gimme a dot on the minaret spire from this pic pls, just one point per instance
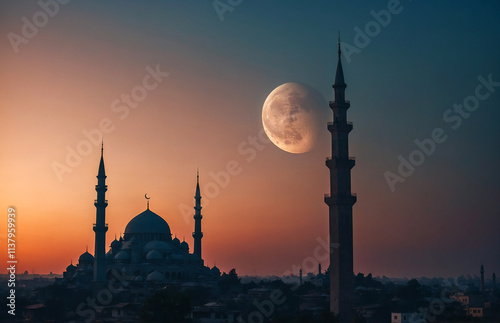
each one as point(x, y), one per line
point(339, 77)
point(339, 45)
point(340, 202)
point(102, 171)
point(100, 226)
point(198, 182)
point(197, 234)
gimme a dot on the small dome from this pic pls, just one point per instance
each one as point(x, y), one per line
point(122, 255)
point(153, 255)
point(184, 245)
point(133, 240)
point(161, 246)
point(115, 244)
point(215, 270)
point(86, 257)
point(155, 276)
point(176, 241)
point(138, 279)
point(70, 268)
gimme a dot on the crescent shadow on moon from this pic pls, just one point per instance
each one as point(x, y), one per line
point(290, 116)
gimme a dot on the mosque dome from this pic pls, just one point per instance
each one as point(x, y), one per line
point(153, 255)
point(122, 255)
point(155, 276)
point(176, 241)
point(184, 246)
point(70, 267)
point(161, 246)
point(86, 257)
point(148, 225)
point(115, 244)
point(177, 257)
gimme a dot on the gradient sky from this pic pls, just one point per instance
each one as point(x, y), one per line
point(443, 220)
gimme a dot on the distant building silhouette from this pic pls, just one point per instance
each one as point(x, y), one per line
point(406, 317)
point(340, 202)
point(494, 279)
point(482, 279)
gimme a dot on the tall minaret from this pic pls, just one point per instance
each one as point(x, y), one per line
point(340, 202)
point(197, 234)
point(100, 226)
point(482, 278)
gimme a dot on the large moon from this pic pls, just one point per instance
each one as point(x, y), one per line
point(290, 117)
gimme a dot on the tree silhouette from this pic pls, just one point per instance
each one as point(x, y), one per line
point(227, 281)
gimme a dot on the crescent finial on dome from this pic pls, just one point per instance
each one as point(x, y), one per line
point(147, 198)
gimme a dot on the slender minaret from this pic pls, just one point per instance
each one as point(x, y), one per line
point(482, 278)
point(197, 234)
point(340, 202)
point(100, 226)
